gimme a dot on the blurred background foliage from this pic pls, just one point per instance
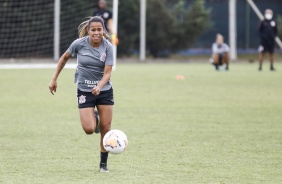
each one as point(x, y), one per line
point(173, 26)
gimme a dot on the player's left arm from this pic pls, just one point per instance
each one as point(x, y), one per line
point(106, 77)
point(275, 29)
point(214, 49)
point(110, 26)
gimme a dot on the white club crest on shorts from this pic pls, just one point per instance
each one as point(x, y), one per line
point(81, 99)
point(103, 57)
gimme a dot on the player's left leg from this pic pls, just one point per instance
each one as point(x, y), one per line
point(216, 61)
point(226, 60)
point(261, 57)
point(271, 59)
point(105, 114)
point(87, 119)
point(97, 129)
point(271, 55)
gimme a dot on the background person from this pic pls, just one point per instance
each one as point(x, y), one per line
point(267, 33)
point(107, 16)
point(220, 53)
point(94, 88)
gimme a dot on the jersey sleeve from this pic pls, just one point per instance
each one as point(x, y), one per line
point(110, 55)
point(73, 48)
point(226, 48)
point(214, 48)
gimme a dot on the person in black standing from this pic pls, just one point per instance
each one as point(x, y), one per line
point(107, 16)
point(267, 33)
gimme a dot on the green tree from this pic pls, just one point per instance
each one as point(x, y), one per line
point(72, 14)
point(279, 24)
point(128, 26)
point(160, 27)
point(175, 28)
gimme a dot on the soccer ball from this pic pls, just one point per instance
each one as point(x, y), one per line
point(115, 141)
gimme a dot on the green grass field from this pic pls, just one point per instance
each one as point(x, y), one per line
point(211, 127)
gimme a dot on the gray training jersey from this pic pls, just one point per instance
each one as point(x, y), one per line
point(91, 63)
point(220, 49)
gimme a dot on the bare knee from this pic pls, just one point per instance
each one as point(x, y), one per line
point(87, 120)
point(105, 128)
point(88, 131)
point(88, 127)
point(105, 113)
point(215, 58)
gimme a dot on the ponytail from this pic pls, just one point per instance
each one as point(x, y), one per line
point(83, 29)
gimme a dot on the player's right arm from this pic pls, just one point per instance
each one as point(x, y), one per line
point(214, 49)
point(260, 28)
point(61, 63)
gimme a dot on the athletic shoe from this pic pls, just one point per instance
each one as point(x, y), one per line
point(211, 60)
point(272, 69)
point(97, 129)
point(222, 67)
point(216, 66)
point(103, 168)
point(260, 69)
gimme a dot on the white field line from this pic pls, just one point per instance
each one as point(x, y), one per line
point(35, 66)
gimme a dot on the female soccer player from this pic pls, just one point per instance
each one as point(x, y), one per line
point(94, 88)
point(220, 53)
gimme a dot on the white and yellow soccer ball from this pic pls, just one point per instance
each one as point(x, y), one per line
point(115, 141)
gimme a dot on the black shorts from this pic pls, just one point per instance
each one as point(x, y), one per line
point(87, 99)
point(267, 47)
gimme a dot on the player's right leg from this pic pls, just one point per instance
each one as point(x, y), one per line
point(262, 49)
point(86, 105)
point(261, 57)
point(97, 129)
point(216, 61)
point(87, 119)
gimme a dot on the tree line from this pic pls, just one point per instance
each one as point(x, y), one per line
point(27, 26)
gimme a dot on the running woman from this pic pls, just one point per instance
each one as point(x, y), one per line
point(94, 88)
point(267, 33)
